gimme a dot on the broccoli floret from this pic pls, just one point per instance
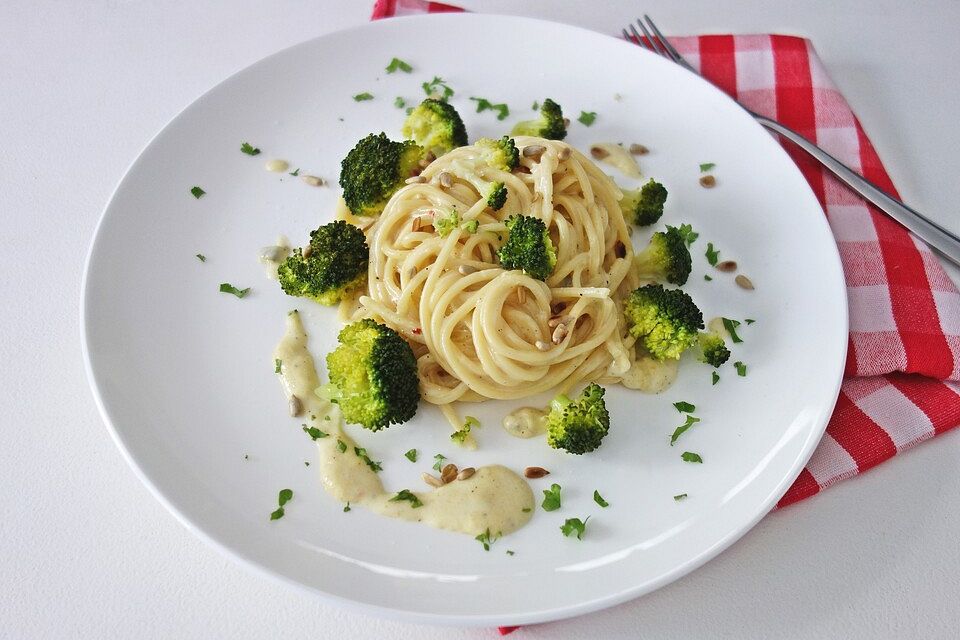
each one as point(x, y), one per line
point(373, 376)
point(549, 125)
point(644, 206)
point(447, 222)
point(335, 265)
point(436, 126)
point(665, 321)
point(374, 169)
point(500, 154)
point(528, 247)
point(713, 350)
point(665, 258)
point(578, 426)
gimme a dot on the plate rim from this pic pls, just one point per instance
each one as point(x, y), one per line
point(472, 620)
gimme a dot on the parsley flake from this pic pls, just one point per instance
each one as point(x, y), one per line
point(411, 455)
point(346, 508)
point(526, 509)
point(397, 63)
point(314, 433)
point(706, 166)
point(362, 97)
point(536, 105)
point(741, 368)
point(679, 431)
point(226, 287)
point(283, 498)
point(509, 552)
point(574, 526)
point(679, 497)
point(731, 327)
point(409, 496)
point(439, 86)
point(277, 364)
point(485, 105)
point(438, 464)
point(749, 320)
point(295, 172)
point(551, 498)
point(587, 117)
point(486, 539)
point(399, 102)
point(361, 453)
point(201, 257)
point(197, 192)
point(684, 407)
point(341, 446)
point(599, 499)
point(249, 149)
point(716, 377)
point(712, 255)
point(688, 234)
point(707, 278)
point(689, 456)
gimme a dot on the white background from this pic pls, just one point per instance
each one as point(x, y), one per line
point(86, 552)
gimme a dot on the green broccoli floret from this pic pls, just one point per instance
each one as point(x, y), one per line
point(446, 222)
point(374, 169)
point(500, 154)
point(713, 350)
point(549, 125)
point(528, 247)
point(335, 265)
point(436, 126)
point(578, 426)
point(665, 258)
point(665, 321)
point(373, 376)
point(644, 206)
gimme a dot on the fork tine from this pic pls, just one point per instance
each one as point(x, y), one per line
point(674, 54)
point(640, 40)
point(627, 36)
point(656, 47)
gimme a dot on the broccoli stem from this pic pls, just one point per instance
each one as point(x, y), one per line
point(559, 402)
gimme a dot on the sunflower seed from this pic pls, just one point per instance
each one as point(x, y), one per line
point(313, 181)
point(564, 153)
point(306, 251)
point(521, 295)
point(599, 153)
point(638, 149)
point(416, 224)
point(295, 406)
point(432, 480)
point(534, 151)
point(727, 266)
point(559, 333)
point(466, 269)
point(708, 182)
point(411, 273)
point(566, 123)
point(535, 472)
point(541, 345)
point(446, 180)
point(449, 473)
point(744, 282)
point(466, 473)
point(556, 320)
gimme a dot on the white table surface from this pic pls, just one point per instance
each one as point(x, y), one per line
point(86, 552)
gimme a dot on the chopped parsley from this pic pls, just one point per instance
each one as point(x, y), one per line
point(439, 86)
point(551, 498)
point(346, 508)
point(295, 172)
point(688, 234)
point(226, 287)
point(197, 192)
point(409, 496)
point(707, 278)
point(341, 446)
point(574, 526)
point(277, 364)
point(679, 431)
point(361, 453)
point(741, 368)
point(362, 97)
point(411, 455)
point(587, 117)
point(306, 464)
point(716, 377)
point(599, 499)
point(399, 103)
point(684, 407)
point(397, 63)
point(438, 461)
point(731, 327)
point(712, 254)
point(249, 149)
point(536, 105)
point(201, 257)
point(526, 509)
point(246, 456)
point(461, 436)
point(749, 320)
point(509, 552)
point(316, 434)
point(285, 496)
point(485, 105)
point(487, 539)
point(679, 497)
point(689, 456)
point(706, 166)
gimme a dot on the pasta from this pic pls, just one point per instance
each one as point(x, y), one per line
point(480, 332)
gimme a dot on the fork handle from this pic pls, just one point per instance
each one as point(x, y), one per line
point(930, 232)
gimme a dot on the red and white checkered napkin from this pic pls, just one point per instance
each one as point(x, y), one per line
point(903, 361)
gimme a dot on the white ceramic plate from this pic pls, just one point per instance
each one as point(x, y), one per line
point(184, 375)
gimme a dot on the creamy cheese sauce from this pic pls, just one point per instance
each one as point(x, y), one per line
point(651, 376)
point(272, 257)
point(525, 422)
point(494, 498)
point(716, 325)
point(618, 157)
point(276, 165)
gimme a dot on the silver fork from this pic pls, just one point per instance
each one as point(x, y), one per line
point(929, 231)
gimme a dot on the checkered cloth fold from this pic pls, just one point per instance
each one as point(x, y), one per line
point(903, 360)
